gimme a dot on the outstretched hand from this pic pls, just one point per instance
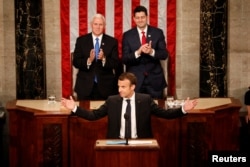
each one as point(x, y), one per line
point(68, 103)
point(189, 104)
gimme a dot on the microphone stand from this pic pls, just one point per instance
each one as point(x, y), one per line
point(126, 117)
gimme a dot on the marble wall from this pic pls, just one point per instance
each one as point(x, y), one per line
point(213, 48)
point(187, 57)
point(238, 48)
point(188, 48)
point(52, 37)
point(30, 55)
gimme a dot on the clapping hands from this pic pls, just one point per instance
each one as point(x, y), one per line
point(145, 48)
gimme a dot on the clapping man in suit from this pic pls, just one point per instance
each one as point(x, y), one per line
point(141, 108)
point(142, 49)
point(96, 58)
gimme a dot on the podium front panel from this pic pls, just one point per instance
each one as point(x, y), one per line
point(138, 153)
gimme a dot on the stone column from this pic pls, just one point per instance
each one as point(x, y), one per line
point(213, 48)
point(30, 56)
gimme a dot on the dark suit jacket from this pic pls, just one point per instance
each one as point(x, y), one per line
point(144, 107)
point(247, 98)
point(145, 64)
point(107, 79)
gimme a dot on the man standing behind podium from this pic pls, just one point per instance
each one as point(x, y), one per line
point(96, 58)
point(142, 106)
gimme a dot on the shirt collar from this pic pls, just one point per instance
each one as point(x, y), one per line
point(145, 30)
point(94, 37)
point(131, 98)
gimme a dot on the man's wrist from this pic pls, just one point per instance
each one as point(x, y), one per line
point(183, 111)
point(152, 53)
point(74, 109)
point(103, 59)
point(137, 53)
point(89, 62)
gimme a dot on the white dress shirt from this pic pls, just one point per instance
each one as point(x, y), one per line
point(133, 118)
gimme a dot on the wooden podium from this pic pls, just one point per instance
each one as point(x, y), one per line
point(114, 153)
point(38, 134)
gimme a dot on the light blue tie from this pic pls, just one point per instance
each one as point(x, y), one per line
point(97, 48)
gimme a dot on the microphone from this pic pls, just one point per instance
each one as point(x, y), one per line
point(126, 117)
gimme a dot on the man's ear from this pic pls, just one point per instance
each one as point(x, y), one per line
point(133, 86)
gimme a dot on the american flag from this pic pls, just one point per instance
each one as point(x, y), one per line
point(75, 21)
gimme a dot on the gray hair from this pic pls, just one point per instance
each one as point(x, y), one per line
point(98, 15)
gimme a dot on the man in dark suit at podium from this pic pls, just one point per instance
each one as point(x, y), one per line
point(142, 106)
point(96, 58)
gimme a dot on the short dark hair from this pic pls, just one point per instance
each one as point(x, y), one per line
point(128, 75)
point(140, 9)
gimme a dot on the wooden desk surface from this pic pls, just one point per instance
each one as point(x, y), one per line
point(42, 107)
point(39, 107)
point(134, 144)
point(212, 105)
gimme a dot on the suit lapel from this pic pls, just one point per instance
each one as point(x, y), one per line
point(137, 41)
point(102, 44)
point(90, 44)
point(119, 108)
point(149, 34)
point(137, 108)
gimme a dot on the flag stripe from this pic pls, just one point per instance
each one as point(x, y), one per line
point(118, 23)
point(110, 25)
point(134, 4)
point(66, 62)
point(171, 44)
point(83, 15)
point(153, 13)
point(127, 15)
point(75, 21)
point(101, 7)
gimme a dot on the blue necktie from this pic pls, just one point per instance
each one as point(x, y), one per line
point(97, 48)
